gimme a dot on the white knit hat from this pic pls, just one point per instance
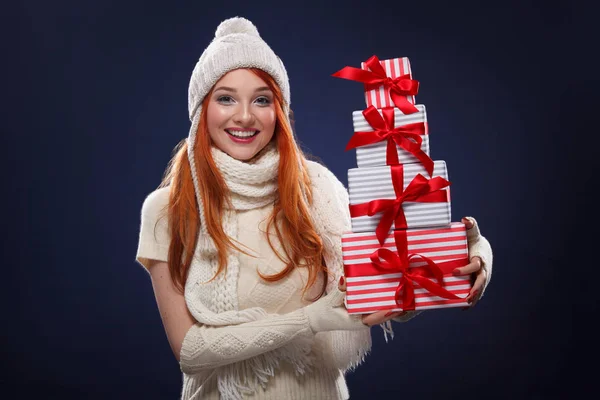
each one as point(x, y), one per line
point(237, 44)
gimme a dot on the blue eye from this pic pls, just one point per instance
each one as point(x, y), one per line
point(224, 99)
point(263, 101)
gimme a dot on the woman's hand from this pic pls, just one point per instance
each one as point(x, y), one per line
point(474, 268)
point(378, 317)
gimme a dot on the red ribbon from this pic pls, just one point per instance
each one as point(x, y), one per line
point(397, 88)
point(399, 262)
point(420, 189)
point(401, 136)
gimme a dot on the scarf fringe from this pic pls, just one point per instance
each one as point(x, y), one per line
point(387, 330)
point(358, 359)
point(341, 341)
point(245, 377)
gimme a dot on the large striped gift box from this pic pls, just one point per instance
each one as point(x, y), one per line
point(394, 68)
point(379, 183)
point(370, 288)
point(374, 154)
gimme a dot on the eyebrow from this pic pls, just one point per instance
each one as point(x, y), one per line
point(229, 89)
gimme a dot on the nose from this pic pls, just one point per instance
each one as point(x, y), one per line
point(244, 115)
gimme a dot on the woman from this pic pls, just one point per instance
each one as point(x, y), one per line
point(242, 241)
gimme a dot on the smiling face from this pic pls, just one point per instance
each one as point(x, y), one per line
point(241, 114)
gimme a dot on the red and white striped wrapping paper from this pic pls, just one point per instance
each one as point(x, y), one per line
point(367, 184)
point(373, 155)
point(372, 291)
point(394, 68)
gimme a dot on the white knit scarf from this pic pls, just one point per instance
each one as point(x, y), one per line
point(252, 184)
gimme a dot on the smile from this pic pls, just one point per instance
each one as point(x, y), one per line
point(242, 134)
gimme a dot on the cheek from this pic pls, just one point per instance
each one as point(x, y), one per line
point(216, 115)
point(269, 118)
point(216, 118)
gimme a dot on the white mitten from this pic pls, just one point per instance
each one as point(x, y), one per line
point(329, 314)
point(480, 247)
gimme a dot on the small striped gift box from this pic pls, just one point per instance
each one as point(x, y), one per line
point(394, 68)
point(370, 288)
point(368, 184)
point(373, 155)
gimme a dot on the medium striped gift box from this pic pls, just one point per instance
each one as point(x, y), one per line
point(368, 184)
point(395, 67)
point(370, 289)
point(373, 155)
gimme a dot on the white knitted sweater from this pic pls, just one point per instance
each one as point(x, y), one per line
point(324, 381)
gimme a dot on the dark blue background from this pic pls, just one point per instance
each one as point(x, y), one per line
point(95, 99)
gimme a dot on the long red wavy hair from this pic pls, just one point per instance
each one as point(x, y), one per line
point(290, 218)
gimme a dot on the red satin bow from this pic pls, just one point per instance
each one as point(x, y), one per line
point(420, 189)
point(398, 88)
point(401, 136)
point(399, 262)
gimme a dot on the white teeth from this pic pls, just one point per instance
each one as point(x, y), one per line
point(242, 134)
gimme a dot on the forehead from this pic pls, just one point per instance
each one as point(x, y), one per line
point(241, 79)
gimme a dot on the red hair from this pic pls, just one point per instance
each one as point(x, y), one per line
point(300, 242)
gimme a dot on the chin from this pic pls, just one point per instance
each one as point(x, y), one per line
point(242, 155)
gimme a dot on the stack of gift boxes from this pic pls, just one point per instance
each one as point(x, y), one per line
point(403, 246)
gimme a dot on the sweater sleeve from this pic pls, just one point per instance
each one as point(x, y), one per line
point(208, 347)
point(347, 349)
point(154, 235)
